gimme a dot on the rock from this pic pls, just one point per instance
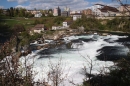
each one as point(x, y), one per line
point(39, 47)
point(104, 34)
point(55, 37)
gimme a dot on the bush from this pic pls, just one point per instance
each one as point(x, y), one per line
point(120, 74)
point(88, 23)
point(119, 24)
point(18, 28)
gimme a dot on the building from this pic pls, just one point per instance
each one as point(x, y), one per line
point(123, 9)
point(65, 24)
point(64, 13)
point(95, 9)
point(57, 28)
point(107, 11)
point(67, 10)
point(87, 12)
point(38, 15)
point(100, 10)
point(57, 12)
point(54, 27)
point(73, 12)
point(76, 16)
point(37, 29)
point(33, 11)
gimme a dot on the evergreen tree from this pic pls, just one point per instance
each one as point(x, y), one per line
point(11, 11)
point(1, 11)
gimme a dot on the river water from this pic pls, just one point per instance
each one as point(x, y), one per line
point(75, 54)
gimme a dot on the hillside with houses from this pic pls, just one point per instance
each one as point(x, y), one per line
point(97, 10)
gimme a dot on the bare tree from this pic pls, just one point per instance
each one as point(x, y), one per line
point(90, 64)
point(11, 75)
point(124, 4)
point(56, 73)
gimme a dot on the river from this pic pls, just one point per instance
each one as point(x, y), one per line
point(75, 54)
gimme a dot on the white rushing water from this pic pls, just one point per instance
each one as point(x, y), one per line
point(73, 61)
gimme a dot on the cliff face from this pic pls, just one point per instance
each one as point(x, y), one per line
point(55, 36)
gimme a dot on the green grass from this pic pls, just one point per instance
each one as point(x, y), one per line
point(30, 22)
point(14, 21)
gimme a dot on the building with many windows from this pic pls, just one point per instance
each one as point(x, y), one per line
point(87, 12)
point(95, 9)
point(76, 16)
point(107, 11)
point(124, 9)
point(57, 11)
point(66, 12)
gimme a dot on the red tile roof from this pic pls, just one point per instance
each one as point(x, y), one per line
point(38, 27)
point(108, 8)
point(77, 14)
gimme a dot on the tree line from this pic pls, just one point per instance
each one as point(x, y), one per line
point(16, 12)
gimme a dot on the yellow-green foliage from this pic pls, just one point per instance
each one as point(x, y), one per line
point(88, 23)
point(119, 24)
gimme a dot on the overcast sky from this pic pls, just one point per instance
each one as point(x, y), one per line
point(46, 4)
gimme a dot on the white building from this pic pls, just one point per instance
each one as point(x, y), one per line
point(73, 12)
point(38, 15)
point(95, 9)
point(58, 27)
point(107, 11)
point(54, 27)
point(65, 24)
point(37, 29)
point(33, 11)
point(76, 16)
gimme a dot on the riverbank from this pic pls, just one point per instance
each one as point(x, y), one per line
point(57, 36)
point(112, 32)
point(52, 36)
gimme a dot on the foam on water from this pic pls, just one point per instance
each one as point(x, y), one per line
point(73, 61)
